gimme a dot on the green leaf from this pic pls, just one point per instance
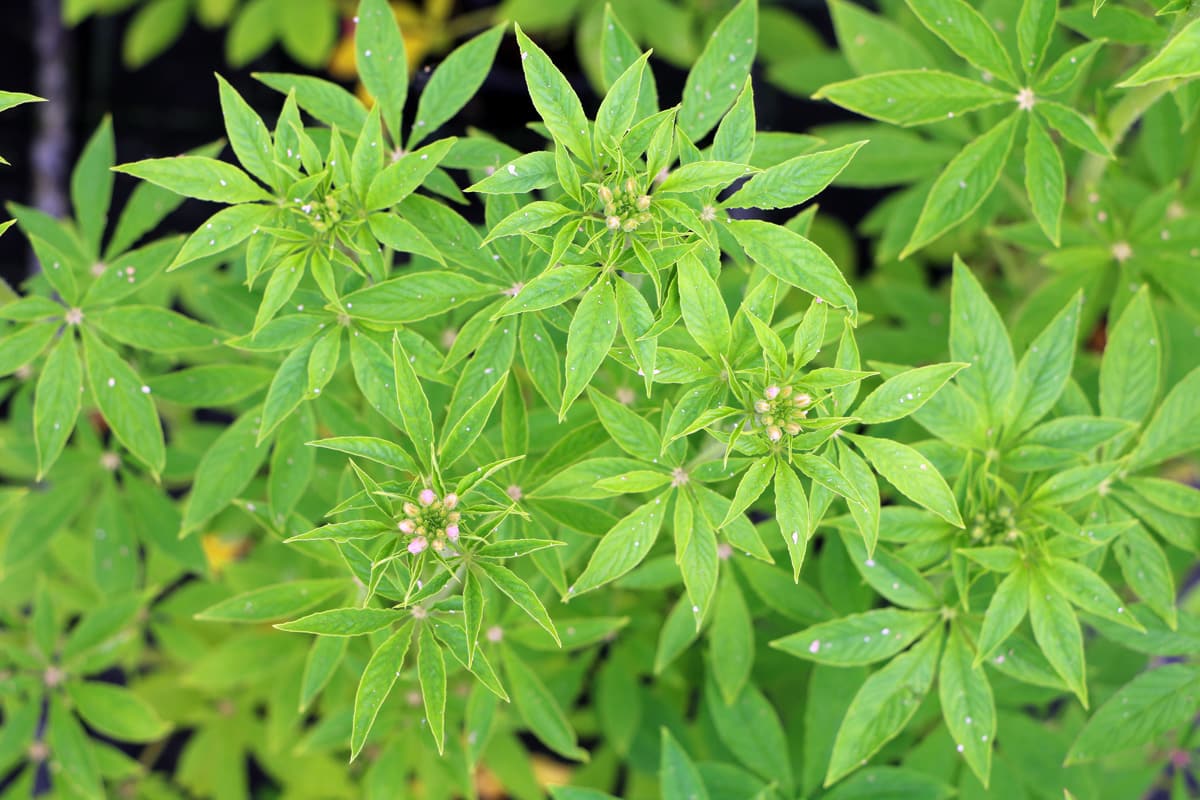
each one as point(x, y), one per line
point(1074, 127)
point(717, 76)
point(962, 187)
point(1129, 371)
point(528, 219)
point(754, 482)
point(1035, 26)
point(1152, 704)
point(554, 99)
point(152, 30)
point(1179, 58)
point(1169, 495)
point(117, 712)
point(522, 174)
point(912, 97)
point(403, 176)
point(883, 706)
point(912, 474)
point(225, 469)
point(454, 82)
point(91, 185)
point(794, 260)
point(750, 729)
point(518, 592)
point(377, 681)
point(620, 104)
point(72, 752)
point(1073, 484)
point(381, 60)
point(700, 175)
point(624, 547)
point(431, 670)
point(1004, 613)
point(703, 308)
point(280, 600)
point(967, 33)
point(23, 346)
point(699, 562)
point(1044, 369)
point(1088, 591)
point(125, 403)
point(1045, 180)
point(978, 337)
point(287, 390)
point(591, 334)
point(731, 639)
point(794, 181)
point(903, 394)
point(1175, 427)
point(371, 448)
point(678, 776)
point(199, 177)
point(1058, 634)
point(57, 267)
point(414, 296)
point(967, 704)
point(324, 99)
point(630, 432)
point(345, 621)
point(248, 135)
point(153, 328)
point(873, 43)
point(1147, 572)
point(734, 139)
point(538, 708)
point(792, 511)
point(413, 404)
point(56, 402)
point(858, 639)
point(461, 432)
point(227, 228)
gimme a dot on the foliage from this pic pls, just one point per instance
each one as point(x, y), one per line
point(423, 452)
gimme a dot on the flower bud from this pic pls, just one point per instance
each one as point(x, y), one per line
point(772, 392)
point(630, 225)
point(439, 545)
point(801, 400)
point(606, 195)
point(452, 532)
point(411, 510)
point(643, 202)
point(774, 433)
point(785, 392)
point(762, 406)
point(453, 516)
point(613, 222)
point(417, 545)
point(450, 501)
point(406, 526)
point(630, 185)
point(427, 497)
point(792, 428)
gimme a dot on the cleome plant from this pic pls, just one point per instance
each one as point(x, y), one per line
point(431, 467)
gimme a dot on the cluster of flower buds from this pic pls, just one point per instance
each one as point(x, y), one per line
point(625, 208)
point(995, 527)
point(323, 214)
point(431, 522)
point(781, 409)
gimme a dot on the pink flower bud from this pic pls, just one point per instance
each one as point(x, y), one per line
point(785, 392)
point(426, 497)
point(772, 392)
point(801, 400)
point(450, 501)
point(411, 510)
point(452, 532)
point(439, 545)
point(406, 526)
point(774, 433)
point(613, 223)
point(792, 428)
point(762, 406)
point(417, 545)
point(606, 194)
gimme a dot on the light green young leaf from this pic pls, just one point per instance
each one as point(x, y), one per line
point(24, 345)
point(754, 482)
point(403, 176)
point(125, 402)
point(228, 227)
point(962, 187)
point(1044, 369)
point(623, 547)
point(717, 76)
point(1152, 704)
point(199, 177)
point(912, 474)
point(461, 432)
point(628, 430)
point(154, 328)
point(523, 174)
point(591, 334)
point(554, 99)
point(325, 100)
point(1074, 127)
point(703, 308)
point(700, 175)
point(617, 111)
point(795, 260)
point(411, 399)
point(795, 181)
point(276, 601)
point(1179, 58)
point(1058, 634)
point(518, 592)
point(967, 704)
point(56, 402)
point(381, 60)
point(248, 135)
point(414, 296)
point(858, 639)
point(1035, 26)
point(965, 30)
point(792, 511)
point(734, 139)
point(376, 683)
point(903, 394)
point(1088, 591)
point(91, 185)
point(913, 96)
point(1073, 484)
point(431, 671)
point(529, 219)
point(873, 43)
point(699, 562)
point(1045, 180)
point(1175, 427)
point(1170, 495)
point(345, 621)
point(978, 337)
point(1004, 613)
point(883, 706)
point(454, 82)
